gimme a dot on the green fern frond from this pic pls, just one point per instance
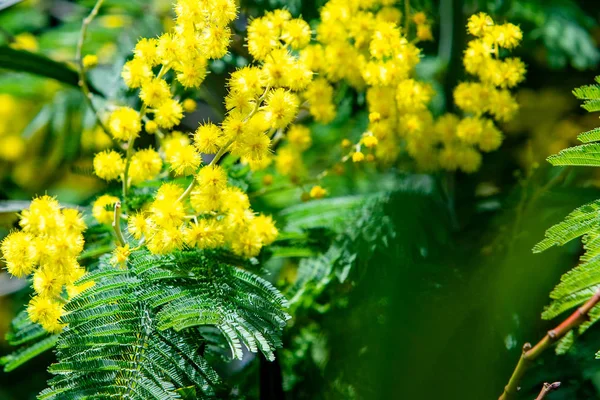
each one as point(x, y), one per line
point(591, 96)
point(582, 221)
point(589, 136)
point(565, 344)
point(329, 213)
point(568, 302)
point(22, 330)
point(31, 338)
point(119, 340)
point(26, 353)
point(587, 155)
point(581, 283)
point(365, 228)
point(587, 92)
point(591, 105)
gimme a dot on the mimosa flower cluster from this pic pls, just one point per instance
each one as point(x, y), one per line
point(379, 59)
point(383, 63)
point(482, 101)
point(47, 247)
point(262, 102)
point(201, 32)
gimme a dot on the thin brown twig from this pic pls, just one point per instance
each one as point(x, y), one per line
point(548, 387)
point(530, 353)
point(81, 68)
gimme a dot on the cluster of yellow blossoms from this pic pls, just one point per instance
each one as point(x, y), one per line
point(381, 60)
point(48, 245)
point(261, 103)
point(201, 32)
point(462, 138)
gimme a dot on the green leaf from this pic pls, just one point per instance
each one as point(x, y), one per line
point(584, 155)
point(579, 222)
point(590, 136)
point(565, 344)
point(588, 92)
point(140, 331)
point(318, 213)
point(24, 61)
point(21, 356)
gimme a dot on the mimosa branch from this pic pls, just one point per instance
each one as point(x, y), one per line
point(81, 68)
point(532, 353)
point(548, 387)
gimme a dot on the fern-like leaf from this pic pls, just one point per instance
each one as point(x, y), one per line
point(139, 332)
point(31, 339)
point(582, 221)
point(587, 92)
point(589, 136)
point(591, 96)
point(581, 283)
point(587, 155)
point(365, 223)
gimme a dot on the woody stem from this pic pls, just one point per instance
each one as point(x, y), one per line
point(532, 353)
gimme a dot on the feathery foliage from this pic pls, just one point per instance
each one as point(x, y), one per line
point(365, 225)
point(582, 282)
point(135, 334)
point(31, 338)
point(357, 226)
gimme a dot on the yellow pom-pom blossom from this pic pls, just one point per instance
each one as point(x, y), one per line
point(19, 253)
point(288, 162)
point(47, 247)
point(173, 143)
point(151, 127)
point(208, 138)
point(317, 192)
point(212, 179)
point(280, 108)
point(155, 92)
point(136, 72)
point(168, 114)
point(206, 234)
point(120, 255)
point(46, 312)
point(125, 123)
point(25, 41)
point(12, 148)
point(90, 61)
point(486, 97)
point(369, 141)
point(189, 105)
point(299, 137)
point(108, 165)
point(145, 165)
point(479, 24)
point(185, 161)
point(138, 225)
point(357, 157)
